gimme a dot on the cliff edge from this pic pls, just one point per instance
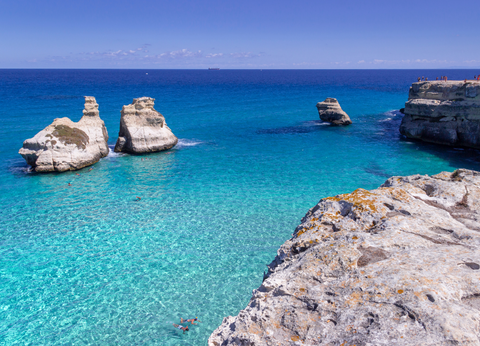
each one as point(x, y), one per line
point(443, 112)
point(398, 265)
point(65, 145)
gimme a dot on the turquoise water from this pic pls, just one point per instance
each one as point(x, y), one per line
point(87, 265)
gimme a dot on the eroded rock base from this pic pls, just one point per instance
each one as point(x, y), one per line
point(445, 113)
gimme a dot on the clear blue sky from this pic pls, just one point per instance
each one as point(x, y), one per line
point(239, 34)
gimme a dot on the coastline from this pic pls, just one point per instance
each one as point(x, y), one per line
point(253, 158)
point(396, 265)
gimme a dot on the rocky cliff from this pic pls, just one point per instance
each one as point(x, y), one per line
point(398, 265)
point(65, 145)
point(330, 111)
point(444, 113)
point(143, 129)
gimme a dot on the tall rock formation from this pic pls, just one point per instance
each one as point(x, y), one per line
point(399, 265)
point(330, 111)
point(143, 129)
point(444, 113)
point(67, 146)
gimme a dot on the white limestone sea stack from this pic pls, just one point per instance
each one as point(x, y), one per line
point(443, 112)
point(143, 129)
point(330, 111)
point(67, 146)
point(398, 265)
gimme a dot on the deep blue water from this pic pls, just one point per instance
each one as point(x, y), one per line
point(87, 265)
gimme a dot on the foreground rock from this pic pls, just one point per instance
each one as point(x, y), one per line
point(67, 146)
point(143, 129)
point(398, 265)
point(330, 111)
point(444, 113)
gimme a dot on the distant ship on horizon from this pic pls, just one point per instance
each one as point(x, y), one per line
point(214, 68)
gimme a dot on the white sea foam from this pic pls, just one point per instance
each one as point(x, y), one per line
point(390, 115)
point(24, 170)
point(112, 154)
point(314, 123)
point(183, 142)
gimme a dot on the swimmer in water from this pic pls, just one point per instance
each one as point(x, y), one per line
point(185, 329)
point(69, 184)
point(191, 320)
point(77, 174)
point(138, 199)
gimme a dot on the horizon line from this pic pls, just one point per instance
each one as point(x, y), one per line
point(236, 69)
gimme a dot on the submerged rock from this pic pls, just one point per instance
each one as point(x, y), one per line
point(399, 265)
point(65, 145)
point(330, 111)
point(443, 112)
point(143, 129)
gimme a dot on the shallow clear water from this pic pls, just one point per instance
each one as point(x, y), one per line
point(87, 265)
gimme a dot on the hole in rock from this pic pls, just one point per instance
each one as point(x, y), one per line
point(472, 265)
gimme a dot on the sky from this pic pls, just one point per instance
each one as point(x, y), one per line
point(240, 34)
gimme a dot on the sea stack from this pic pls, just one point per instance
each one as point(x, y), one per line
point(67, 146)
point(399, 265)
point(330, 111)
point(143, 129)
point(443, 112)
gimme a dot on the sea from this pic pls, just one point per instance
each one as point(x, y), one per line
point(87, 264)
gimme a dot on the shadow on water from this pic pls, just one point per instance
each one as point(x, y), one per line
point(304, 127)
point(457, 157)
point(375, 169)
point(57, 97)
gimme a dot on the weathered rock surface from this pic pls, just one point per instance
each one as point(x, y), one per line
point(330, 111)
point(65, 145)
point(398, 265)
point(143, 129)
point(444, 113)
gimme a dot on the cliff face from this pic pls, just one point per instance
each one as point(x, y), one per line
point(398, 265)
point(143, 129)
point(65, 145)
point(444, 113)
